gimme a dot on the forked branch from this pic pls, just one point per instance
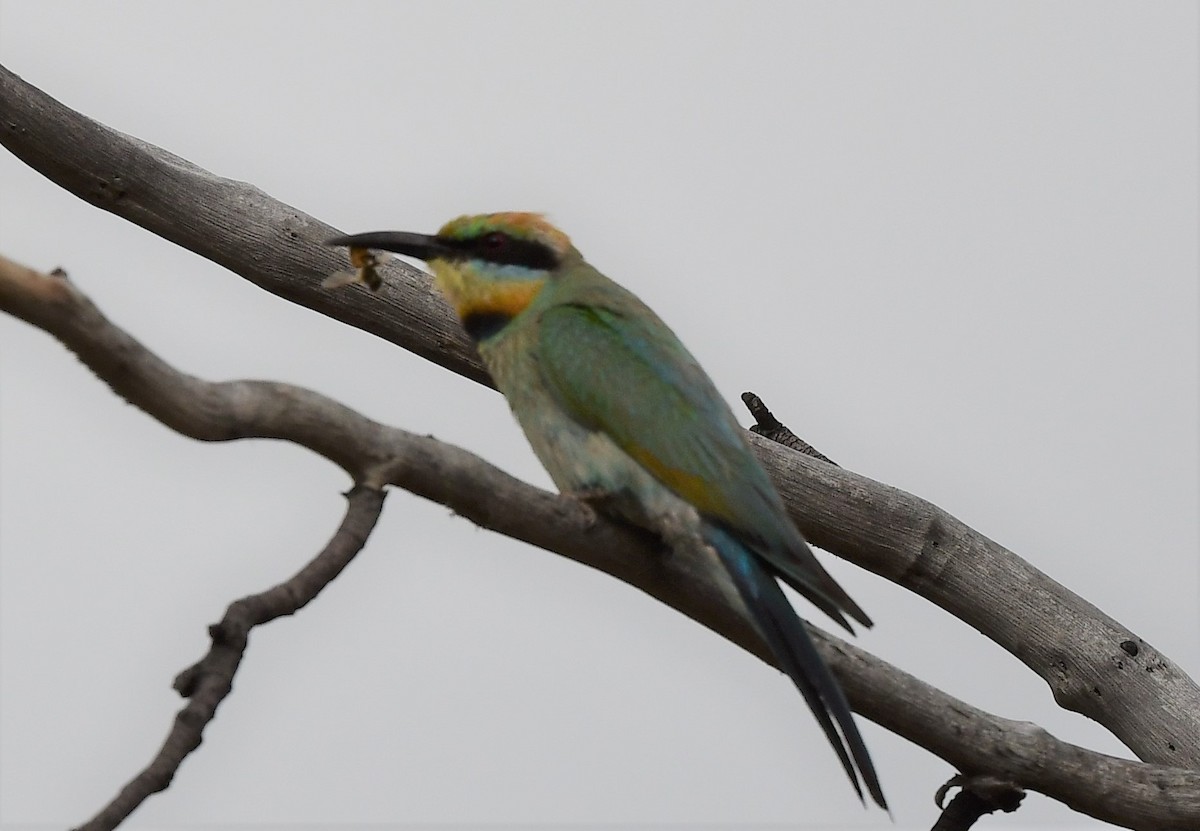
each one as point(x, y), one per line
point(1093, 664)
point(207, 682)
point(1132, 794)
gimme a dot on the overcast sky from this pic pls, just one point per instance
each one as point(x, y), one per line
point(952, 245)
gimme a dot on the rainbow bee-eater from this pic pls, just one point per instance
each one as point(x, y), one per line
point(620, 414)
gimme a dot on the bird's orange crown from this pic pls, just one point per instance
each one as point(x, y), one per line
point(532, 227)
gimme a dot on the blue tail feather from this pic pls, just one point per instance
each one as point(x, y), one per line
point(785, 634)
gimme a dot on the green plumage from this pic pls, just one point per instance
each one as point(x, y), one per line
point(614, 406)
point(615, 368)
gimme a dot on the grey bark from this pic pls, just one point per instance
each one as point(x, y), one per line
point(1093, 664)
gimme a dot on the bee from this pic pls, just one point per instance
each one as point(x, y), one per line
point(366, 262)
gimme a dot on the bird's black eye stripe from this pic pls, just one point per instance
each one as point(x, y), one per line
point(502, 249)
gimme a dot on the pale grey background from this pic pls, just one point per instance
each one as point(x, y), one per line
point(952, 245)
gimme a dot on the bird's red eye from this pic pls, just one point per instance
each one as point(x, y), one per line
point(495, 242)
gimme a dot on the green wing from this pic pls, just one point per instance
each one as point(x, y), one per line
point(629, 377)
point(617, 369)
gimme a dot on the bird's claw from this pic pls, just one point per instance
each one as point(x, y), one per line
point(594, 499)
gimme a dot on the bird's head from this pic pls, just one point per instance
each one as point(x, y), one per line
point(489, 266)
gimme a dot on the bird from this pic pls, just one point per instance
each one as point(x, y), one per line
point(622, 416)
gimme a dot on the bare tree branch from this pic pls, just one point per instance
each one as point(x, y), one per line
point(1126, 793)
point(1093, 664)
point(207, 682)
point(234, 224)
point(1136, 692)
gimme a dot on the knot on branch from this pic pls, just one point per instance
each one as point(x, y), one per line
point(228, 645)
point(771, 428)
point(979, 795)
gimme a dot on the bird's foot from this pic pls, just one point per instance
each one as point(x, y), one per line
point(595, 499)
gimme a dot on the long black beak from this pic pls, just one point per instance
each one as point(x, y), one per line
point(421, 246)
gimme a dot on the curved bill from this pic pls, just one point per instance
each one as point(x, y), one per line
point(421, 246)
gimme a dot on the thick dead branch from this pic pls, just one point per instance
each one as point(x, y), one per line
point(1140, 695)
point(1093, 665)
point(207, 682)
point(1131, 794)
point(234, 224)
